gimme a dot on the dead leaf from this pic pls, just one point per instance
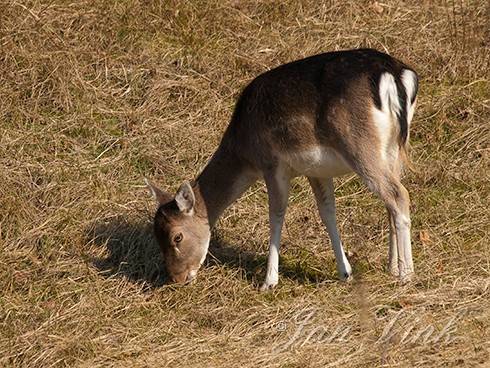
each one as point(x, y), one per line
point(424, 237)
point(377, 7)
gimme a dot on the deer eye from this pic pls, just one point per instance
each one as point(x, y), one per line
point(178, 238)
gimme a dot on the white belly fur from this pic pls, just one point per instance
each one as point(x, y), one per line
point(318, 162)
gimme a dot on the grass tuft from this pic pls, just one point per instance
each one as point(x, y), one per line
point(96, 95)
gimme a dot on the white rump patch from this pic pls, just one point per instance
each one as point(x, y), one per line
point(388, 94)
point(386, 119)
point(409, 81)
point(383, 122)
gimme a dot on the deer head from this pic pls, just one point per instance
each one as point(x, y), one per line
point(182, 231)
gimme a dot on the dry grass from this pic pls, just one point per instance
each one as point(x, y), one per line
point(94, 95)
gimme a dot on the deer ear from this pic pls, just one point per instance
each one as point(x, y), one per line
point(185, 198)
point(160, 196)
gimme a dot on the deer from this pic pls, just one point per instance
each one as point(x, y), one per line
point(321, 117)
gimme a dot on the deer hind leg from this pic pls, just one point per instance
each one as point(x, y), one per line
point(395, 167)
point(400, 212)
point(393, 247)
point(397, 201)
point(277, 183)
point(325, 199)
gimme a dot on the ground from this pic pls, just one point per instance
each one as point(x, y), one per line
point(97, 95)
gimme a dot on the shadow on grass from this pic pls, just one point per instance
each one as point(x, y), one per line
point(133, 253)
point(254, 265)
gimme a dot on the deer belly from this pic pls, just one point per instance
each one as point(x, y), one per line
point(317, 162)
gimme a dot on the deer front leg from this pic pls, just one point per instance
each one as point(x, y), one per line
point(325, 199)
point(278, 190)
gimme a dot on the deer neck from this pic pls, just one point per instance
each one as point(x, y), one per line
point(223, 180)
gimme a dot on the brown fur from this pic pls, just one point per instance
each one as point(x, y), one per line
point(323, 101)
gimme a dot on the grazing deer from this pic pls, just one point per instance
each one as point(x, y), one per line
point(321, 117)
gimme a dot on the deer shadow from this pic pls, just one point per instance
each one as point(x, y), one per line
point(132, 253)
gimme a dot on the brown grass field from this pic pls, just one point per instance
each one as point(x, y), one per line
point(97, 95)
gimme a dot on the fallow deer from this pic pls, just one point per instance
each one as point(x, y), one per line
point(321, 117)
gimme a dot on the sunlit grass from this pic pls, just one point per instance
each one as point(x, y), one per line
point(94, 96)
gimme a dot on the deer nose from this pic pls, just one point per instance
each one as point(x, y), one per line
point(179, 278)
point(184, 277)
